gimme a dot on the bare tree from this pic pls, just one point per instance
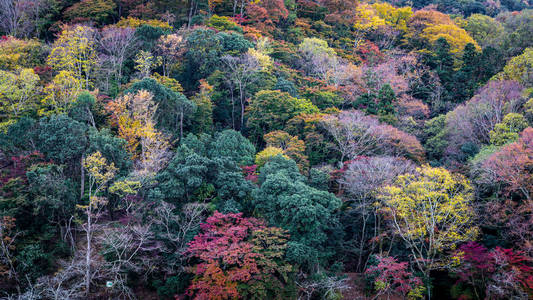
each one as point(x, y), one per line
point(8, 236)
point(362, 179)
point(354, 132)
point(327, 286)
point(240, 73)
point(187, 221)
point(116, 45)
point(18, 17)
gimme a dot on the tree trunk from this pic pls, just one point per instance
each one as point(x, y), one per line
point(181, 126)
point(243, 102)
point(88, 254)
point(82, 184)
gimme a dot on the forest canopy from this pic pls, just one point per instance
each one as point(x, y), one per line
point(225, 149)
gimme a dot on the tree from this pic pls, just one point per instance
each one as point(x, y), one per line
point(270, 110)
point(8, 237)
point(511, 166)
point(425, 27)
point(507, 131)
point(362, 179)
point(203, 116)
point(241, 72)
point(99, 173)
point(266, 15)
point(357, 134)
point(471, 122)
point(263, 156)
point(172, 107)
point(354, 133)
point(17, 92)
point(292, 147)
point(230, 144)
point(484, 29)
point(116, 45)
point(170, 48)
point(75, 51)
point(16, 54)
point(60, 94)
point(19, 17)
point(366, 20)
point(205, 168)
point(392, 277)
point(99, 11)
point(61, 139)
point(498, 273)
point(308, 214)
point(239, 257)
point(432, 212)
point(134, 114)
point(519, 69)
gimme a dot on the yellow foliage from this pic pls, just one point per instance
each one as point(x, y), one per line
point(98, 168)
point(125, 187)
point(457, 37)
point(292, 147)
point(367, 18)
point(519, 68)
point(170, 83)
point(134, 23)
point(392, 16)
point(16, 53)
point(264, 156)
point(430, 25)
point(431, 210)
point(75, 51)
point(264, 60)
point(17, 90)
point(60, 93)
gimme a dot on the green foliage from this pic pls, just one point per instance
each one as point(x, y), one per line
point(436, 143)
point(99, 11)
point(507, 131)
point(231, 145)
point(223, 23)
point(270, 110)
point(20, 136)
point(201, 161)
point(61, 138)
point(519, 68)
point(309, 215)
point(205, 48)
point(53, 194)
point(111, 147)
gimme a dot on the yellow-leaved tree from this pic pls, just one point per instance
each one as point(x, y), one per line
point(75, 51)
point(100, 172)
point(17, 92)
point(134, 115)
point(431, 211)
point(60, 93)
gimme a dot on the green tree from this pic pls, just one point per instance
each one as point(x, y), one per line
point(99, 11)
point(286, 201)
point(270, 110)
point(62, 139)
point(230, 144)
point(507, 131)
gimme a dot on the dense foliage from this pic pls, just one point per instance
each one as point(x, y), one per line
point(224, 149)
